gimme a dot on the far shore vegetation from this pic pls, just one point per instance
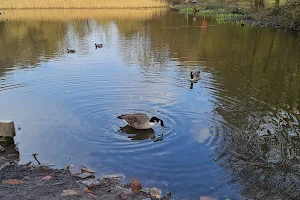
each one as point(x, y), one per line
point(266, 13)
point(72, 4)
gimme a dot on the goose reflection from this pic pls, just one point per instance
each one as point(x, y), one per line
point(140, 134)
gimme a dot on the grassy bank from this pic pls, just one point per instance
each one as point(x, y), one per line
point(66, 4)
point(285, 15)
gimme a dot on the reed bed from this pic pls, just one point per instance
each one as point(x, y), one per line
point(80, 14)
point(67, 4)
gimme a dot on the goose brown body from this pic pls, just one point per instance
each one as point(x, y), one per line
point(140, 120)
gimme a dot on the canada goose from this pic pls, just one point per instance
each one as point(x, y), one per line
point(140, 120)
point(195, 76)
point(98, 45)
point(70, 51)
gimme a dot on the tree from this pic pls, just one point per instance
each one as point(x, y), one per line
point(277, 3)
point(259, 4)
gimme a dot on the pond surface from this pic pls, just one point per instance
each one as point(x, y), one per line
point(234, 134)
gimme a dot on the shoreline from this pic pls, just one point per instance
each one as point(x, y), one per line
point(38, 181)
point(268, 17)
point(74, 182)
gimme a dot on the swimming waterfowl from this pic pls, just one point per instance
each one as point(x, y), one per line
point(140, 120)
point(98, 45)
point(195, 76)
point(70, 51)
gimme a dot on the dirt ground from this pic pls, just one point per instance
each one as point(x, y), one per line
point(20, 182)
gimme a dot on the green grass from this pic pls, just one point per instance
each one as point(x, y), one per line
point(207, 12)
point(186, 10)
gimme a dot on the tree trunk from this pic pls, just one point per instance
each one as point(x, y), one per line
point(237, 5)
point(277, 3)
point(259, 4)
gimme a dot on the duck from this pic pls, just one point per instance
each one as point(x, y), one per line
point(98, 45)
point(70, 51)
point(195, 76)
point(141, 120)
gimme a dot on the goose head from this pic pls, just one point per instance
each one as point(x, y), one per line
point(192, 77)
point(159, 121)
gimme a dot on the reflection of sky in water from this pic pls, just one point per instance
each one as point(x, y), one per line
point(67, 104)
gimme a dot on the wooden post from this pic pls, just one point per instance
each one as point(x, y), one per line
point(7, 128)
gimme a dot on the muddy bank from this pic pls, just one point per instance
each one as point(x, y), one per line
point(41, 182)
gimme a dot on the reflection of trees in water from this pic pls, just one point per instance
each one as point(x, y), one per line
point(261, 149)
point(261, 145)
point(27, 43)
point(40, 35)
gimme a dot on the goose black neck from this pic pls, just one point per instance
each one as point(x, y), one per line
point(154, 119)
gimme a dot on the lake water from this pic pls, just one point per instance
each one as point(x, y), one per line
point(233, 134)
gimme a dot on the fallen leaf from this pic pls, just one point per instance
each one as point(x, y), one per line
point(87, 170)
point(14, 182)
point(87, 190)
point(46, 178)
point(136, 186)
point(92, 195)
point(68, 193)
point(85, 175)
point(207, 198)
point(123, 196)
point(155, 193)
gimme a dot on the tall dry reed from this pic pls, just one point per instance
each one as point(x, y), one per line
point(66, 4)
point(80, 14)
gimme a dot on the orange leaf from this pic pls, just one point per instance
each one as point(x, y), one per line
point(136, 186)
point(87, 190)
point(14, 182)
